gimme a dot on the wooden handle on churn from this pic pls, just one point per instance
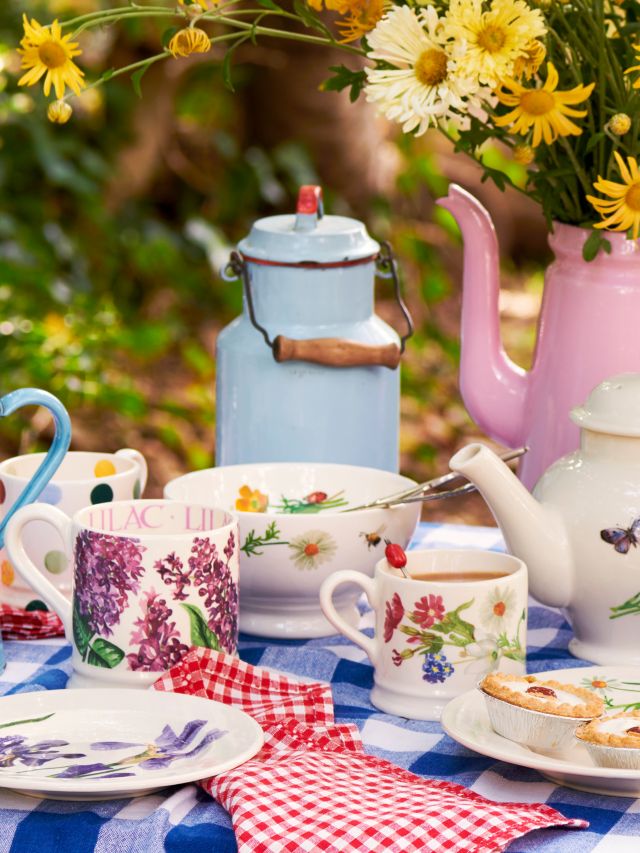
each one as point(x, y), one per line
point(335, 352)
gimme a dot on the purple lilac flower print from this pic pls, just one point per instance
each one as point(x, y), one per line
point(215, 584)
point(230, 546)
point(212, 576)
point(109, 568)
point(15, 748)
point(171, 570)
point(157, 637)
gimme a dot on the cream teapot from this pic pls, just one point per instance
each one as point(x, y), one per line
point(579, 532)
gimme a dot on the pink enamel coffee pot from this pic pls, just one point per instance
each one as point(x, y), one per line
point(587, 331)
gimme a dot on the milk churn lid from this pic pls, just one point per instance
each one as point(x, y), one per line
point(613, 406)
point(308, 237)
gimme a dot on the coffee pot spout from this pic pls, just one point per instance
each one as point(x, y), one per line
point(532, 531)
point(493, 387)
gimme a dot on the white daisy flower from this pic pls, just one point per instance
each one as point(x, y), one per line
point(498, 608)
point(312, 548)
point(424, 86)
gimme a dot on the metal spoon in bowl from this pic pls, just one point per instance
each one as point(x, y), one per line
point(428, 491)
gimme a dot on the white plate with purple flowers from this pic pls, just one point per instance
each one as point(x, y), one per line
point(107, 744)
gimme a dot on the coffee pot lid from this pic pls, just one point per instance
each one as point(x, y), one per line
point(308, 236)
point(613, 406)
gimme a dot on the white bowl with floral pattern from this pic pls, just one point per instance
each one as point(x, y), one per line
point(294, 533)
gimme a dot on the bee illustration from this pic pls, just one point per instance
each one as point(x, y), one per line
point(622, 538)
point(375, 538)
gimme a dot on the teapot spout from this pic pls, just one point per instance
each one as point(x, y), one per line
point(493, 387)
point(532, 531)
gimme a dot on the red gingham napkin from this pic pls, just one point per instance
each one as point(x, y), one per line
point(17, 624)
point(312, 787)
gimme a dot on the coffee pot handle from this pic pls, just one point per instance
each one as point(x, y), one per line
point(27, 569)
point(328, 608)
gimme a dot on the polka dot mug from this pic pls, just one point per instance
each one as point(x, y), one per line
point(83, 479)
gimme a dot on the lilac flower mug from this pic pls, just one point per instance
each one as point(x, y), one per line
point(151, 578)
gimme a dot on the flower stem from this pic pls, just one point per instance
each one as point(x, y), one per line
point(114, 18)
point(303, 37)
point(123, 11)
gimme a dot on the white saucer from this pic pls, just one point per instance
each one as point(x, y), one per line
point(466, 720)
point(151, 739)
point(294, 623)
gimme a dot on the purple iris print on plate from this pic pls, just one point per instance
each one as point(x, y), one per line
point(15, 749)
point(157, 755)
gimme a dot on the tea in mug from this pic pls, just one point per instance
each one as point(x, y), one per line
point(457, 577)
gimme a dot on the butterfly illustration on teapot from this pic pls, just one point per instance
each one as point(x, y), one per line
point(622, 538)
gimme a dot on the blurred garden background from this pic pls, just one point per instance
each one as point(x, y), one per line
point(113, 227)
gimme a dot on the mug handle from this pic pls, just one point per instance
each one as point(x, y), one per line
point(59, 446)
point(27, 569)
point(326, 602)
point(141, 462)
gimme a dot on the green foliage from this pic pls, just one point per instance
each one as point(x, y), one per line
point(344, 78)
point(201, 633)
point(593, 244)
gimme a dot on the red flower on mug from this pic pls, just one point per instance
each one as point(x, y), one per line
point(394, 611)
point(428, 610)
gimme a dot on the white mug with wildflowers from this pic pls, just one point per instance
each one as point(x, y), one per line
point(459, 615)
point(555, 81)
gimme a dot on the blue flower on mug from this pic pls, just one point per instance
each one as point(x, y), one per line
point(436, 668)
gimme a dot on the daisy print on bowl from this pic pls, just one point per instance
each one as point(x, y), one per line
point(311, 549)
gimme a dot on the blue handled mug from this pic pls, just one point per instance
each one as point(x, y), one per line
point(9, 403)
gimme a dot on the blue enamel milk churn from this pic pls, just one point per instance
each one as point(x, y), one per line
point(308, 372)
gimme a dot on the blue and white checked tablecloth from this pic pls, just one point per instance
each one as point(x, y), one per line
point(186, 819)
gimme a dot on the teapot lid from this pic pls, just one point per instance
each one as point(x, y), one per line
point(613, 406)
point(308, 236)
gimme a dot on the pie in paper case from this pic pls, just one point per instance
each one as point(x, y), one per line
point(614, 740)
point(542, 715)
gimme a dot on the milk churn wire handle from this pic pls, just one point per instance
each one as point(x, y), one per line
point(236, 268)
point(344, 353)
point(387, 267)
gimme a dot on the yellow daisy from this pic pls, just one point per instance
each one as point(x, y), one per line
point(622, 212)
point(527, 65)
point(495, 37)
point(188, 41)
point(633, 68)
point(45, 51)
point(361, 16)
point(202, 3)
point(543, 109)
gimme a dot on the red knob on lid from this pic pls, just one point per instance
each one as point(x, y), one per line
point(310, 200)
